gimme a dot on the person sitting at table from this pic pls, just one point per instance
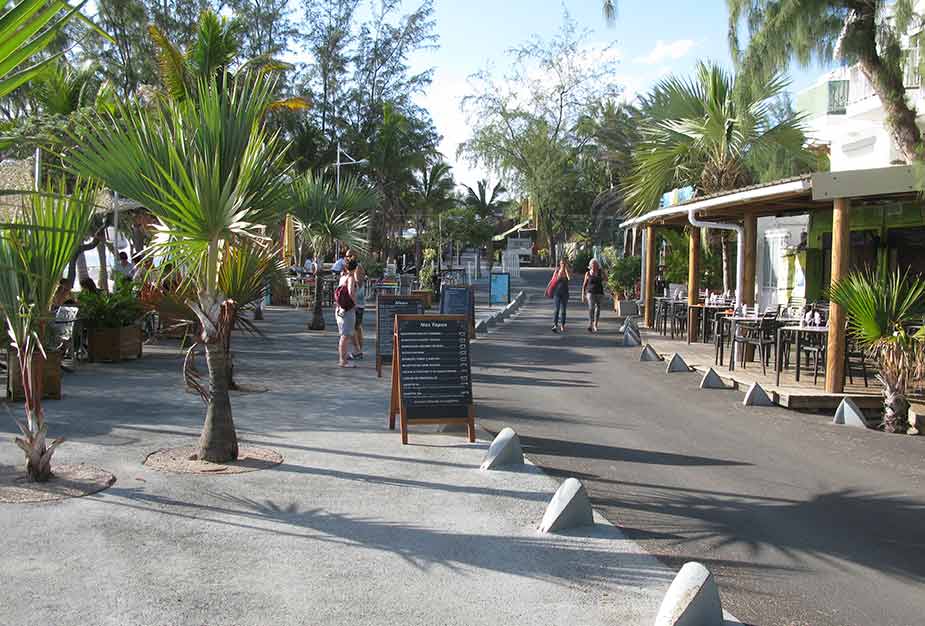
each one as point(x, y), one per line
point(310, 266)
point(63, 295)
point(87, 284)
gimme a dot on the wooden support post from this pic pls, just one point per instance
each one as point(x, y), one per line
point(841, 250)
point(750, 223)
point(693, 285)
point(648, 288)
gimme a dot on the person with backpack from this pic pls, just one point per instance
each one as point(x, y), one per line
point(345, 311)
point(558, 290)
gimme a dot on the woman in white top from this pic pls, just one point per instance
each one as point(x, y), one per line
point(360, 275)
point(346, 318)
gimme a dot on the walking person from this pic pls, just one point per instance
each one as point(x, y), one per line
point(593, 290)
point(560, 295)
point(345, 314)
point(359, 275)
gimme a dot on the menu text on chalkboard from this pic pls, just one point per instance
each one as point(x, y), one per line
point(431, 372)
point(459, 301)
point(499, 289)
point(387, 307)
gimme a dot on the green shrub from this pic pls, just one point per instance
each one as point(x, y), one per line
point(427, 272)
point(120, 308)
point(624, 274)
point(581, 261)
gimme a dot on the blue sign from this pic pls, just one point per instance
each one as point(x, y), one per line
point(499, 291)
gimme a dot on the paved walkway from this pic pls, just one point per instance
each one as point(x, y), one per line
point(804, 523)
point(352, 528)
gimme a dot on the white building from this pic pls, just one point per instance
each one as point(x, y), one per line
point(845, 117)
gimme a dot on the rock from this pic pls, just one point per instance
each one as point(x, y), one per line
point(504, 450)
point(569, 508)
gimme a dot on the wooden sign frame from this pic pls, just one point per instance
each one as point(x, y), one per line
point(396, 404)
point(392, 297)
point(471, 313)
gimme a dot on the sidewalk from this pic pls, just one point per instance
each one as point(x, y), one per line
point(352, 528)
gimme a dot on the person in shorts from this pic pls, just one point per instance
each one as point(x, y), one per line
point(360, 275)
point(346, 318)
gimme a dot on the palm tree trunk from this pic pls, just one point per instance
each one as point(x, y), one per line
point(103, 283)
point(82, 271)
point(895, 409)
point(317, 322)
point(218, 442)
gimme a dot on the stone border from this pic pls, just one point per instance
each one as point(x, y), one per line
point(183, 460)
point(69, 481)
point(502, 315)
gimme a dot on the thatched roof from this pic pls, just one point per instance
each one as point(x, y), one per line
point(15, 175)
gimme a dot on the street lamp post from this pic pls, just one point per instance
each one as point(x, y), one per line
point(337, 166)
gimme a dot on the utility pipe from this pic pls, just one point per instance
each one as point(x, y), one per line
point(740, 249)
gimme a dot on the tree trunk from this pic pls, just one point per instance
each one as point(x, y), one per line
point(103, 283)
point(218, 442)
point(895, 409)
point(317, 322)
point(82, 271)
point(887, 82)
point(38, 454)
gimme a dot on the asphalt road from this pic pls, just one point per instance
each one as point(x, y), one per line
point(802, 522)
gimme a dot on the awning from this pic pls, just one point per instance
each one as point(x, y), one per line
point(510, 231)
point(799, 194)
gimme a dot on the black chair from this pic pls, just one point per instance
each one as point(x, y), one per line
point(761, 335)
point(678, 318)
point(855, 357)
point(815, 348)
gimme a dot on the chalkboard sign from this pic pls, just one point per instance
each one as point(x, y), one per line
point(387, 306)
point(459, 301)
point(499, 289)
point(431, 372)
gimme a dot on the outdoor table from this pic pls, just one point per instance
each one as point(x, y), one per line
point(703, 309)
point(799, 331)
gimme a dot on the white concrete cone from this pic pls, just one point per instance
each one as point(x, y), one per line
point(692, 599)
point(504, 450)
point(569, 508)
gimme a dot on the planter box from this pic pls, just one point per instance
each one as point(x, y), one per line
point(625, 308)
point(114, 344)
point(428, 296)
point(51, 384)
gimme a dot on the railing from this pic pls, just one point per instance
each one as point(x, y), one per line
point(861, 89)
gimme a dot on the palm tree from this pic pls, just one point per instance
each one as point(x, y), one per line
point(704, 133)
point(211, 174)
point(34, 253)
point(26, 29)
point(432, 194)
point(610, 10)
point(61, 89)
point(325, 216)
point(487, 204)
point(216, 48)
point(869, 33)
point(879, 309)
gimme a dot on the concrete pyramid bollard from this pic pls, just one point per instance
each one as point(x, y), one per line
point(504, 450)
point(848, 414)
point(630, 323)
point(676, 364)
point(649, 354)
point(756, 396)
point(570, 507)
point(631, 338)
point(712, 380)
point(692, 599)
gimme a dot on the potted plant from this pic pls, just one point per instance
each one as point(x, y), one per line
point(624, 274)
point(111, 320)
point(426, 277)
point(880, 309)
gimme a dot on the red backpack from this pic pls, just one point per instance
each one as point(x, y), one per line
point(343, 299)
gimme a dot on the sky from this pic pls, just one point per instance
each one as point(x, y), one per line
point(653, 37)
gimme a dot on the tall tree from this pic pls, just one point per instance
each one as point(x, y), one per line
point(781, 31)
point(209, 171)
point(127, 59)
point(270, 28)
point(527, 122)
point(176, 19)
point(432, 194)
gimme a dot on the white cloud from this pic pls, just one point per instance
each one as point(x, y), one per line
point(667, 51)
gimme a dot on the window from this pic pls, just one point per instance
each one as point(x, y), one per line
point(771, 266)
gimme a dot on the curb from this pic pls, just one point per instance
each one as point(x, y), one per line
point(502, 315)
